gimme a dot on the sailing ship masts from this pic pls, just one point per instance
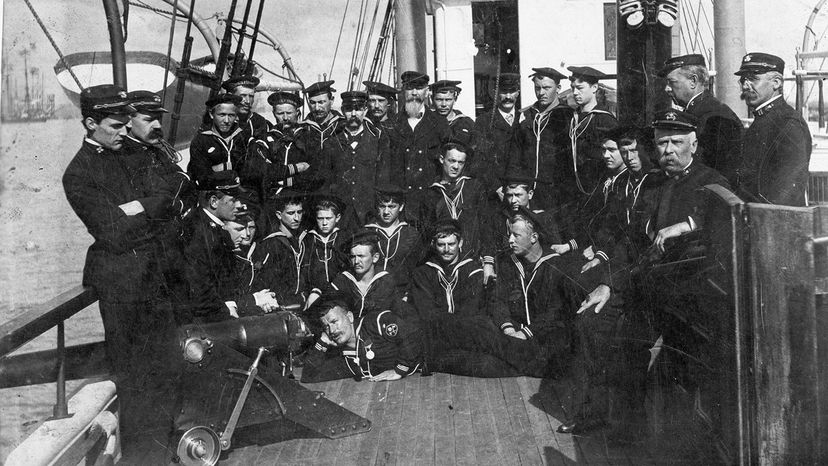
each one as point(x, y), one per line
point(729, 30)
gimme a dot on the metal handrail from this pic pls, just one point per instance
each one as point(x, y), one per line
point(35, 322)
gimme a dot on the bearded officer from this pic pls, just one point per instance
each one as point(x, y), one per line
point(720, 130)
point(777, 148)
point(416, 136)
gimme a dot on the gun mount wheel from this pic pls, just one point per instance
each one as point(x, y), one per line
point(199, 446)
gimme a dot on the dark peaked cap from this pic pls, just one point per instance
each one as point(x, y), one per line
point(284, 97)
point(586, 73)
point(548, 73)
point(322, 87)
point(677, 62)
point(225, 98)
point(414, 80)
point(146, 101)
point(226, 181)
point(509, 82)
point(106, 98)
point(675, 119)
point(758, 62)
point(445, 85)
point(247, 81)
point(375, 88)
point(354, 98)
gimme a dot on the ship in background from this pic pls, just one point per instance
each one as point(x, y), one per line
point(30, 104)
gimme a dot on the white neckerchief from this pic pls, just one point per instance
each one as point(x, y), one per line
point(389, 233)
point(524, 283)
point(363, 293)
point(455, 204)
point(448, 282)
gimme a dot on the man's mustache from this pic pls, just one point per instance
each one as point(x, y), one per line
point(413, 98)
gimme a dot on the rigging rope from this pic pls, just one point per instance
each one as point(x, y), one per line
point(368, 42)
point(169, 50)
point(339, 37)
point(54, 45)
point(159, 11)
point(357, 40)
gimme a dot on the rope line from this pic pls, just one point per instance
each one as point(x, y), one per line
point(169, 49)
point(54, 44)
point(339, 37)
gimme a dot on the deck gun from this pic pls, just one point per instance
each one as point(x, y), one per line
point(237, 375)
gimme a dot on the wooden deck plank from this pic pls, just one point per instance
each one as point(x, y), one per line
point(309, 448)
point(392, 420)
point(423, 442)
point(412, 410)
point(528, 451)
point(464, 436)
point(444, 419)
point(369, 442)
point(355, 396)
point(545, 438)
point(504, 433)
point(487, 445)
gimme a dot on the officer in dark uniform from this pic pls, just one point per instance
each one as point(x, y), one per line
point(777, 146)
point(494, 134)
point(446, 283)
point(583, 170)
point(416, 135)
point(275, 160)
point(354, 156)
point(252, 124)
point(122, 264)
point(444, 95)
point(680, 209)
point(542, 139)
point(720, 130)
point(210, 264)
point(246, 300)
point(382, 102)
point(155, 164)
point(221, 145)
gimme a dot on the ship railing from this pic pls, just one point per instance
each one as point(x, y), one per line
point(83, 428)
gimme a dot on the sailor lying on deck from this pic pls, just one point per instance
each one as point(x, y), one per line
point(381, 345)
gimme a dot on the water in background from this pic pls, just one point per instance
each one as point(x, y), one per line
point(41, 255)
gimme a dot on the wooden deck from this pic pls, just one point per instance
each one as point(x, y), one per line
point(447, 419)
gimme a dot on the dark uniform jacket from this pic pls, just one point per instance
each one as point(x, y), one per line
point(599, 216)
point(461, 125)
point(271, 163)
point(414, 154)
point(400, 250)
point(532, 298)
point(122, 262)
point(775, 157)
point(465, 201)
point(325, 257)
point(583, 168)
point(246, 267)
point(254, 127)
point(456, 289)
point(282, 257)
point(679, 199)
point(385, 341)
point(493, 142)
point(210, 269)
point(210, 152)
point(353, 165)
point(720, 134)
point(380, 295)
point(542, 142)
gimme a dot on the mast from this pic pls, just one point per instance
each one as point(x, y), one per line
point(116, 43)
point(729, 28)
point(410, 28)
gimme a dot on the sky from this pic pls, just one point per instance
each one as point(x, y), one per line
point(775, 26)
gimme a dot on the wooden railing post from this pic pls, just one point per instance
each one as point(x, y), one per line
point(61, 410)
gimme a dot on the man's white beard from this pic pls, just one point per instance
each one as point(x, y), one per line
point(413, 107)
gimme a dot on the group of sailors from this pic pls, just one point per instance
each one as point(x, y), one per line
point(414, 238)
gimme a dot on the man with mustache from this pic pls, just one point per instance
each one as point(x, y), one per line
point(444, 94)
point(155, 164)
point(321, 124)
point(252, 124)
point(777, 146)
point(494, 135)
point(354, 155)
point(382, 102)
point(542, 139)
point(275, 160)
point(720, 130)
point(416, 135)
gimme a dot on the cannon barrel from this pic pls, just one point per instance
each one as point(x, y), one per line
point(282, 331)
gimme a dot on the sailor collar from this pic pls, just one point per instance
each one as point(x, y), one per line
point(766, 107)
point(454, 269)
point(212, 132)
point(325, 124)
point(544, 258)
point(458, 182)
point(371, 282)
point(385, 231)
point(325, 239)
